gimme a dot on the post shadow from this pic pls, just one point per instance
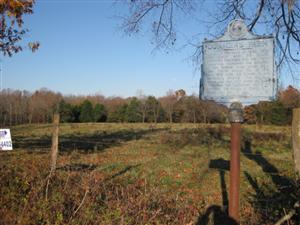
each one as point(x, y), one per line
point(85, 143)
point(121, 172)
point(78, 167)
point(216, 214)
point(222, 166)
point(225, 201)
point(266, 201)
point(266, 166)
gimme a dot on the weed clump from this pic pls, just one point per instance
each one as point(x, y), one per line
point(259, 138)
point(92, 198)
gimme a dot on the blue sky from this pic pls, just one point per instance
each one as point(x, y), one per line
point(84, 52)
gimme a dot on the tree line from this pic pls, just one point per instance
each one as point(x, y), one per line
point(24, 107)
point(277, 112)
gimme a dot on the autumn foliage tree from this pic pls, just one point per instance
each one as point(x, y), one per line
point(12, 25)
point(250, 114)
point(42, 104)
point(290, 97)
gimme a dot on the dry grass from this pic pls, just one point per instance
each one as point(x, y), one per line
point(144, 174)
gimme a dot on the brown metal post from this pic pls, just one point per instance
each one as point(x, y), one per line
point(234, 187)
point(236, 119)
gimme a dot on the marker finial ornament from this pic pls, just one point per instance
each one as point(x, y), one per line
point(236, 113)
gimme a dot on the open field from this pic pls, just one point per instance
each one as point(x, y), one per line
point(144, 174)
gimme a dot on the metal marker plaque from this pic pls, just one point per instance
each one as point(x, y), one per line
point(239, 66)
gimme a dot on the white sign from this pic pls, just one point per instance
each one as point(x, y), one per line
point(239, 66)
point(5, 140)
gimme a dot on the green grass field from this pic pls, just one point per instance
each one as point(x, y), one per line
point(145, 174)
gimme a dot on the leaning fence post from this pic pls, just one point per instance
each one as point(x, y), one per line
point(54, 147)
point(296, 138)
point(54, 151)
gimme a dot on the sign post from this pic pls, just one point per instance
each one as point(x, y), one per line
point(238, 69)
point(236, 119)
point(5, 140)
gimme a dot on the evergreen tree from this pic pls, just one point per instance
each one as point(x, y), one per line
point(76, 113)
point(133, 113)
point(66, 112)
point(119, 115)
point(100, 114)
point(122, 113)
point(86, 112)
point(155, 112)
point(279, 114)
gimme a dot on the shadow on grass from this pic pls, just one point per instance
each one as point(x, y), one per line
point(85, 143)
point(90, 167)
point(216, 214)
point(266, 166)
point(271, 202)
point(121, 172)
point(222, 166)
point(78, 167)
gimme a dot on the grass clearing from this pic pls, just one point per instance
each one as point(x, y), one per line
point(144, 174)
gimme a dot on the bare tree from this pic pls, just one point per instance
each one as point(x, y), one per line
point(281, 17)
point(168, 103)
point(143, 106)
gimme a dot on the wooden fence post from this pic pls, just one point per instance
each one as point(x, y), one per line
point(54, 148)
point(296, 138)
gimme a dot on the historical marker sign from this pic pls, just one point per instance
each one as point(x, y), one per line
point(5, 140)
point(239, 66)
